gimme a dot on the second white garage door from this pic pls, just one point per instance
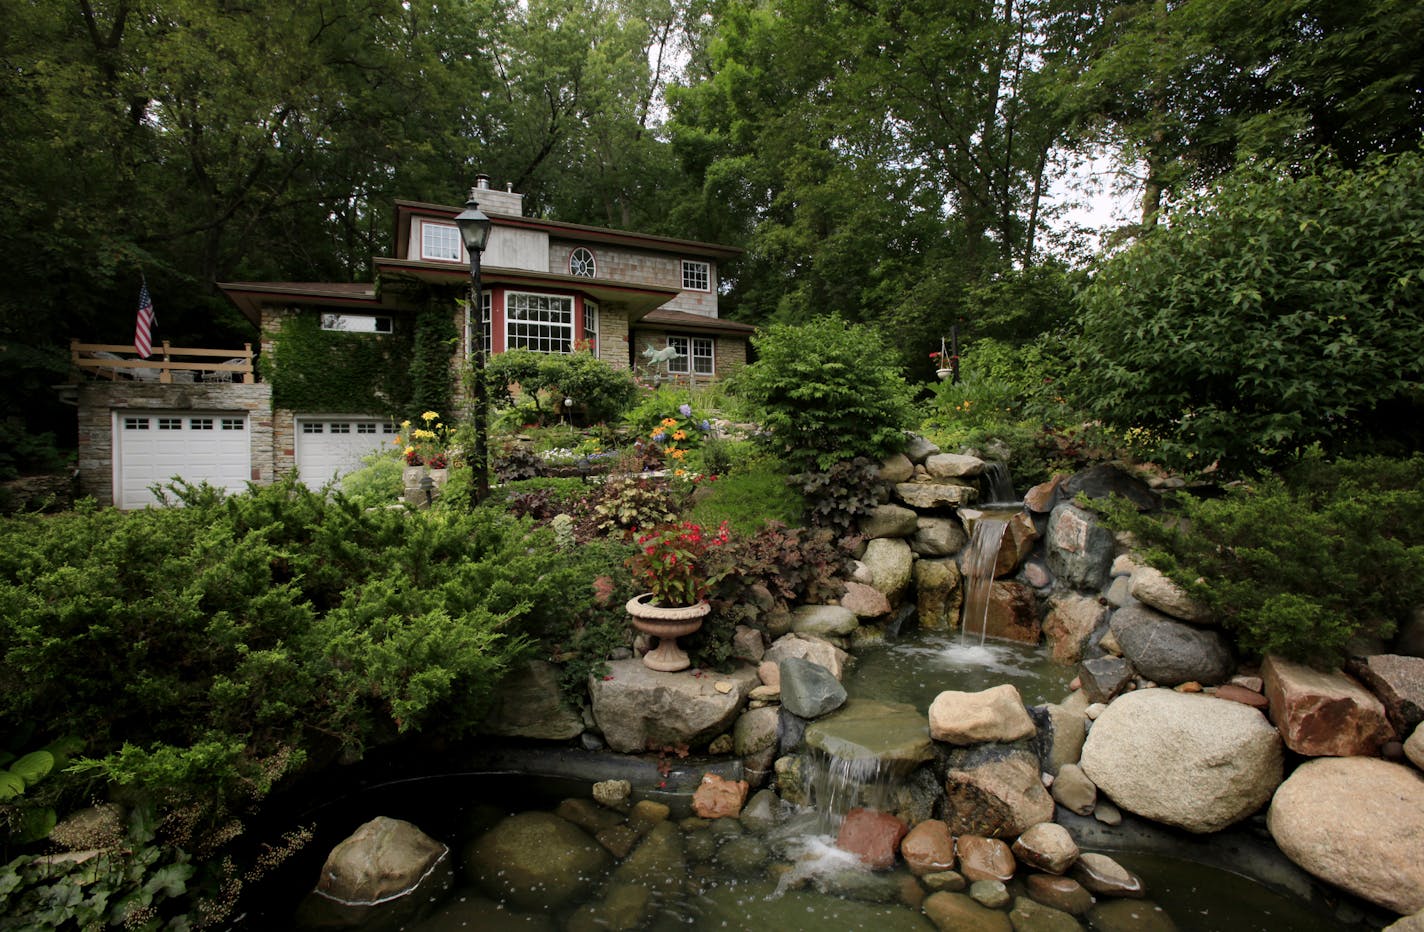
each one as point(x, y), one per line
point(331, 447)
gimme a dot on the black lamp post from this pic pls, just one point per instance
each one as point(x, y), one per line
point(475, 231)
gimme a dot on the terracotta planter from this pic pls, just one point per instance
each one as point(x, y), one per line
point(667, 624)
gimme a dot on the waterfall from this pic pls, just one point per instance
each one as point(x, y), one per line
point(998, 484)
point(980, 558)
point(835, 785)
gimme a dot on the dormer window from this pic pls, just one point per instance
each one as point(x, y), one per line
point(439, 241)
point(696, 276)
point(582, 263)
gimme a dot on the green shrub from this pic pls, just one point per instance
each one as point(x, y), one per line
point(379, 481)
point(826, 391)
point(1274, 312)
point(838, 497)
point(1300, 564)
point(599, 392)
point(205, 651)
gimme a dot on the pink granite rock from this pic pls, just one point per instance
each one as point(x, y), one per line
point(872, 836)
point(1323, 714)
point(928, 848)
point(718, 798)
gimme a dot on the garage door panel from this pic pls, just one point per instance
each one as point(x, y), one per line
point(152, 449)
point(330, 447)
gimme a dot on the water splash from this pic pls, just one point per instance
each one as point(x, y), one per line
point(980, 558)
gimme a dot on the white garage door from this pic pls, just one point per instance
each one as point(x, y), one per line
point(332, 446)
point(152, 447)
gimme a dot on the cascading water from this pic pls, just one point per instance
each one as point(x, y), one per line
point(980, 559)
point(997, 484)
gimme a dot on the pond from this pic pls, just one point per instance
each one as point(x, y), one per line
point(758, 873)
point(720, 875)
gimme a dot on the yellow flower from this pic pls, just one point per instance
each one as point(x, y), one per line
point(405, 424)
point(429, 416)
point(669, 422)
point(419, 434)
point(679, 435)
point(677, 454)
point(679, 472)
point(409, 450)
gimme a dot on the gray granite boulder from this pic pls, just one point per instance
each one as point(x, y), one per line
point(1171, 652)
point(638, 709)
point(1079, 548)
point(809, 689)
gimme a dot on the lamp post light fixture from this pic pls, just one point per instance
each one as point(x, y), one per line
point(475, 230)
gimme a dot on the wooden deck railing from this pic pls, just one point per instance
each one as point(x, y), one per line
point(167, 364)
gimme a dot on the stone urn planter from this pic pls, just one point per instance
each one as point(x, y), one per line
point(667, 624)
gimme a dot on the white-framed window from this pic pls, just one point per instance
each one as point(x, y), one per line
point(696, 276)
point(200, 423)
point(697, 355)
point(590, 325)
point(582, 263)
point(135, 423)
point(484, 325)
point(356, 323)
point(543, 323)
point(313, 427)
point(365, 427)
point(439, 241)
point(170, 423)
point(233, 423)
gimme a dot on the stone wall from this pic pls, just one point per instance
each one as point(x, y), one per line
point(644, 268)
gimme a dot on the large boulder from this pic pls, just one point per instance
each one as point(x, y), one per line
point(1070, 624)
point(809, 689)
point(383, 859)
point(1398, 681)
point(1171, 652)
point(1155, 588)
point(893, 734)
point(889, 521)
point(997, 714)
point(939, 593)
point(1185, 759)
point(995, 791)
point(528, 703)
point(1016, 540)
point(1323, 714)
point(1012, 614)
point(639, 709)
point(535, 861)
point(1358, 823)
point(947, 493)
point(955, 912)
point(1106, 480)
point(890, 561)
point(1079, 548)
point(954, 466)
point(808, 647)
point(824, 620)
point(938, 537)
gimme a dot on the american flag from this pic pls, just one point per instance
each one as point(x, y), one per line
point(143, 336)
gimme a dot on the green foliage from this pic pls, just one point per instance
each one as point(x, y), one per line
point(1267, 317)
point(825, 392)
point(436, 340)
point(312, 369)
point(750, 494)
point(205, 651)
point(1299, 564)
point(836, 498)
point(775, 568)
point(380, 480)
point(627, 503)
point(139, 885)
point(600, 393)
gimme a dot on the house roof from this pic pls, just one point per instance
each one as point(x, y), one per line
point(250, 296)
point(685, 247)
point(681, 320)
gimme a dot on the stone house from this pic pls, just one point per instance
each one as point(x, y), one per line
point(336, 357)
